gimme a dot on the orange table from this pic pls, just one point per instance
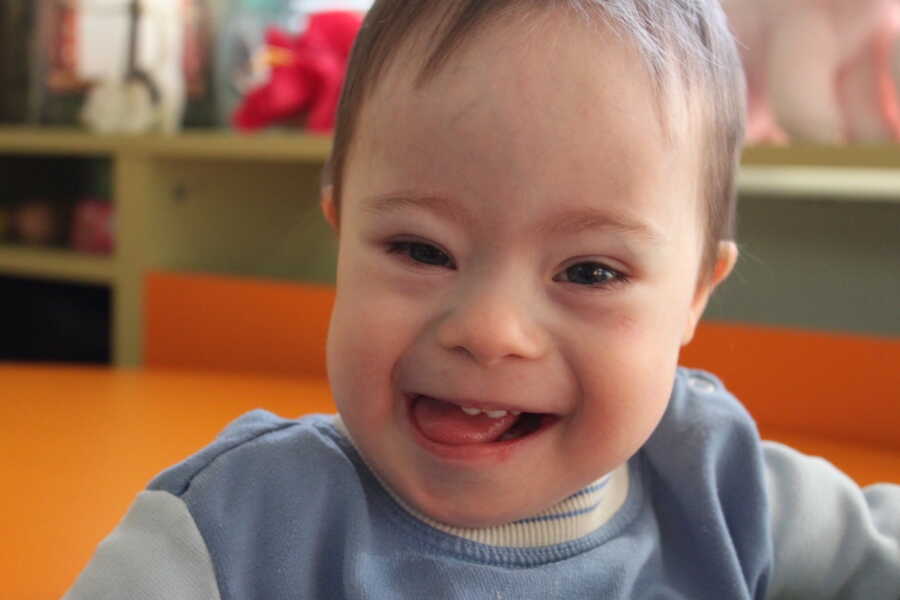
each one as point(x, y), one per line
point(78, 444)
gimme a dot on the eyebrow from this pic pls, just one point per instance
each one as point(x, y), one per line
point(589, 219)
point(438, 205)
point(569, 222)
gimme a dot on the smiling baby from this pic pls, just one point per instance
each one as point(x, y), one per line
point(534, 200)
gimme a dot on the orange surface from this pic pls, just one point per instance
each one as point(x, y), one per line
point(212, 322)
point(837, 386)
point(79, 443)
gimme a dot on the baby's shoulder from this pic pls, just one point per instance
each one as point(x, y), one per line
point(700, 398)
point(254, 447)
point(705, 430)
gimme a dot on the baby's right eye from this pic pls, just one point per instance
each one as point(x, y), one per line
point(422, 253)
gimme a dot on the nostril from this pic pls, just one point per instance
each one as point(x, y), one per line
point(489, 347)
point(491, 329)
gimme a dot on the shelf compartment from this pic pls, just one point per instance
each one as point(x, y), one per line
point(53, 263)
point(53, 320)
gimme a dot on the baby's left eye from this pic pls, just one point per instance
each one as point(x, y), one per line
point(590, 273)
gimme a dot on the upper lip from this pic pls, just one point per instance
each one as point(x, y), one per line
point(485, 405)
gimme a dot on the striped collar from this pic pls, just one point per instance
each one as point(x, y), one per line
point(578, 515)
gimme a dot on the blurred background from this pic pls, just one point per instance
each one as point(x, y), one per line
point(96, 95)
point(188, 135)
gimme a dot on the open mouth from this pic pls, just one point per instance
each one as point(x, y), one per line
point(451, 424)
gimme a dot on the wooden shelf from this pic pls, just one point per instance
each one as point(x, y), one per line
point(268, 147)
point(288, 146)
point(53, 141)
point(56, 264)
point(200, 144)
point(863, 173)
point(830, 183)
point(868, 156)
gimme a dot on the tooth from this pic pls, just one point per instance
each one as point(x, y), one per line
point(516, 412)
point(496, 414)
point(471, 411)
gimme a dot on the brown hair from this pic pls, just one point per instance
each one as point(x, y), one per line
point(685, 44)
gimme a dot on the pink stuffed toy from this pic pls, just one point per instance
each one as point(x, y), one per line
point(306, 74)
point(819, 70)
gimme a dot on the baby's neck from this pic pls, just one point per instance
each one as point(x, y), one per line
point(578, 515)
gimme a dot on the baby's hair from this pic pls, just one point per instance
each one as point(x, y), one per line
point(686, 47)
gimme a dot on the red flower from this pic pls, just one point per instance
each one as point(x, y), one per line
point(306, 74)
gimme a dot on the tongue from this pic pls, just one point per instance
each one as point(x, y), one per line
point(446, 423)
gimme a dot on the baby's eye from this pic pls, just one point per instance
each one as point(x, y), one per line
point(590, 273)
point(422, 253)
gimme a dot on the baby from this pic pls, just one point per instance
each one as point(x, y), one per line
point(534, 200)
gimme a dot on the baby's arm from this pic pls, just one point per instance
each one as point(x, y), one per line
point(156, 553)
point(832, 539)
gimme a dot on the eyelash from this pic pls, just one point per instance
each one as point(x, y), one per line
point(407, 248)
point(613, 276)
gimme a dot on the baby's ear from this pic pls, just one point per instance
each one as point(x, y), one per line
point(329, 209)
point(725, 259)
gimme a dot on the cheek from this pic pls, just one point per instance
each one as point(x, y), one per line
point(360, 363)
point(363, 340)
point(638, 330)
point(666, 308)
point(623, 402)
point(372, 327)
point(632, 360)
point(625, 370)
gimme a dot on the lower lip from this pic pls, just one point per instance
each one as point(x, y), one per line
point(491, 451)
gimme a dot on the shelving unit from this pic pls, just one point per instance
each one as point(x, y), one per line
point(200, 201)
point(247, 205)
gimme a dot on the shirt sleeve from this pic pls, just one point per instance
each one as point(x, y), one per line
point(832, 539)
point(155, 553)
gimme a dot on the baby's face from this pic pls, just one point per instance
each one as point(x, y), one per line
point(515, 236)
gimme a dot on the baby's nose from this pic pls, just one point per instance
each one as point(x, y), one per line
point(491, 326)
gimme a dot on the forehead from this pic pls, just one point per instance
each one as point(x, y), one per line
point(541, 101)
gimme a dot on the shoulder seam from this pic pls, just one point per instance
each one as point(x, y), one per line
point(238, 444)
